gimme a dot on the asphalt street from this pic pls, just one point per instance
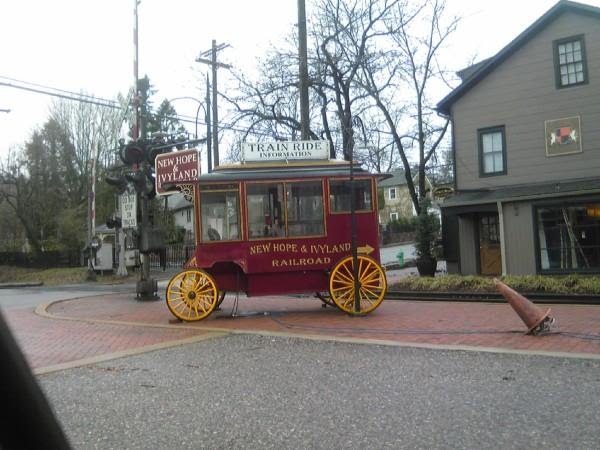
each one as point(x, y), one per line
point(261, 392)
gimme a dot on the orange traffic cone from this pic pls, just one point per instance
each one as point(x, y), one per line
point(536, 320)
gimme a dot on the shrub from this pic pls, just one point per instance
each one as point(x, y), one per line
point(403, 225)
point(570, 284)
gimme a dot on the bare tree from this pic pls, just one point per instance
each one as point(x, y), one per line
point(341, 33)
point(347, 32)
point(412, 67)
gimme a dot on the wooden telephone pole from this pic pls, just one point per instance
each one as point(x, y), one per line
point(202, 58)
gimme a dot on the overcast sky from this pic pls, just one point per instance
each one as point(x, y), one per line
point(87, 45)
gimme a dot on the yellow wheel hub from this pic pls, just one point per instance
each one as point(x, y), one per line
point(371, 283)
point(192, 295)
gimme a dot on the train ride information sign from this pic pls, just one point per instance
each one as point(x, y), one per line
point(284, 151)
point(173, 168)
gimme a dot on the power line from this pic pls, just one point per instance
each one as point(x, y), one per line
point(99, 102)
point(64, 91)
point(85, 98)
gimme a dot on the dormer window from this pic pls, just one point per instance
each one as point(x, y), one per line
point(570, 62)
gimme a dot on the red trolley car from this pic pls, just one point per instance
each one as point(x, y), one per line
point(281, 228)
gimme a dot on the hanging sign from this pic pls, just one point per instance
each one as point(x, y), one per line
point(284, 151)
point(181, 167)
point(128, 210)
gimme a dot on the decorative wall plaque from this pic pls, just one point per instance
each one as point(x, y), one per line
point(563, 136)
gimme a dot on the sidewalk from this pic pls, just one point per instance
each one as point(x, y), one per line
point(83, 331)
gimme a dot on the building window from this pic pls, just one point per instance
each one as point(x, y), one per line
point(492, 151)
point(392, 193)
point(569, 62)
point(394, 216)
point(569, 238)
point(189, 215)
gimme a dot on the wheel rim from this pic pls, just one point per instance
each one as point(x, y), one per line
point(192, 295)
point(371, 281)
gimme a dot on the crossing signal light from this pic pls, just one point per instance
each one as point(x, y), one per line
point(118, 182)
point(152, 153)
point(133, 153)
point(143, 182)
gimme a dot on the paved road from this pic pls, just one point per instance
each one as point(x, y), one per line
point(258, 392)
point(27, 297)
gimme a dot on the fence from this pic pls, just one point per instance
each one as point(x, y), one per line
point(41, 260)
point(175, 255)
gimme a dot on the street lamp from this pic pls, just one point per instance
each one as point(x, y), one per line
point(206, 119)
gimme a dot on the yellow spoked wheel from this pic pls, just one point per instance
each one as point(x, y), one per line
point(192, 295)
point(371, 285)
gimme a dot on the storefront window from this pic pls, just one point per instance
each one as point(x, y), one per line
point(339, 195)
point(569, 237)
point(220, 216)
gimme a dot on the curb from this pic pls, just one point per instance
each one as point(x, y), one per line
point(42, 310)
point(21, 285)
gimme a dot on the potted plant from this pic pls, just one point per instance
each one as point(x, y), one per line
point(427, 229)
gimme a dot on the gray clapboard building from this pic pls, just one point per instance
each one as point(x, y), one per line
point(526, 139)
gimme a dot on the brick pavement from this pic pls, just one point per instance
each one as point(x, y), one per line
point(48, 342)
point(76, 332)
point(480, 325)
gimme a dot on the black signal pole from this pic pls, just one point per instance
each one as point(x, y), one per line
point(147, 287)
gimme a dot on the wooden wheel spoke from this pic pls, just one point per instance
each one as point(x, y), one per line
point(349, 271)
point(346, 277)
point(343, 287)
point(360, 267)
point(367, 277)
point(176, 305)
point(204, 291)
point(369, 293)
point(373, 284)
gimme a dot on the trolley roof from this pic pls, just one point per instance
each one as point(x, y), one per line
point(292, 170)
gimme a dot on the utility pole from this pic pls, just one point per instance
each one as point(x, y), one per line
point(303, 72)
point(202, 58)
point(208, 133)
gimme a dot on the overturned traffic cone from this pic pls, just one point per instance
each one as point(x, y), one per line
point(536, 320)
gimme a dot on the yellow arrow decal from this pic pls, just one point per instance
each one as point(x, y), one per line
point(366, 250)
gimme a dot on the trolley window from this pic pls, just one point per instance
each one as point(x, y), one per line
point(302, 203)
point(304, 208)
point(220, 216)
point(265, 213)
point(339, 196)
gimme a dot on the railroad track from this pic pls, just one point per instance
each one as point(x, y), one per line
point(493, 297)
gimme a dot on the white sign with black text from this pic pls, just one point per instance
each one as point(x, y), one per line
point(284, 151)
point(128, 210)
